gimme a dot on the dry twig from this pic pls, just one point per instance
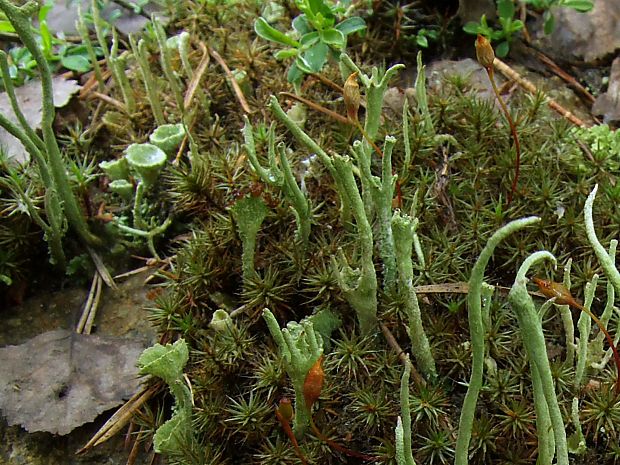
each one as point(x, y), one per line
point(530, 87)
point(85, 324)
point(232, 80)
point(120, 418)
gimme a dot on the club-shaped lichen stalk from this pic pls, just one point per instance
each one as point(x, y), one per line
point(477, 334)
point(545, 398)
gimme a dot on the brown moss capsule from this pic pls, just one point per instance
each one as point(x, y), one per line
point(313, 384)
point(484, 52)
point(285, 409)
point(352, 97)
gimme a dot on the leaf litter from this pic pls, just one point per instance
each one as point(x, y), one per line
point(60, 380)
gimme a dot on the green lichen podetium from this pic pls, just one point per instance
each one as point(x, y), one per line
point(300, 348)
point(249, 214)
point(46, 152)
point(167, 362)
point(477, 334)
point(404, 454)
point(281, 177)
point(404, 228)
point(359, 285)
point(605, 259)
point(550, 426)
point(378, 191)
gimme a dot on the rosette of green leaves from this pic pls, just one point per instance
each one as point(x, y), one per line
point(316, 36)
point(509, 26)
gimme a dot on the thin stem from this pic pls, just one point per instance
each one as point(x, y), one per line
point(513, 130)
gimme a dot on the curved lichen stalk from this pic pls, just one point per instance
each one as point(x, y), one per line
point(404, 229)
point(606, 261)
point(477, 330)
point(403, 453)
point(550, 425)
point(19, 16)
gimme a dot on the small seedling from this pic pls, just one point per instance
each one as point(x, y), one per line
point(509, 27)
point(319, 36)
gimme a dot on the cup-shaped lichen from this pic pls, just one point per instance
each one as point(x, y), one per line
point(146, 161)
point(116, 169)
point(168, 137)
point(249, 214)
point(123, 188)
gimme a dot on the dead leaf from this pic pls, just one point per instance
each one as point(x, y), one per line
point(60, 380)
point(29, 98)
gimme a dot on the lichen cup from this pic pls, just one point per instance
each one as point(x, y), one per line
point(168, 137)
point(123, 188)
point(116, 169)
point(146, 161)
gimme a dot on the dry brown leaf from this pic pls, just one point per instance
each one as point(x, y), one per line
point(60, 380)
point(29, 98)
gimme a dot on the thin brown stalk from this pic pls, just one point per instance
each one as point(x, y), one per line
point(315, 106)
point(233, 82)
point(107, 99)
point(193, 85)
point(393, 343)
point(120, 418)
point(513, 131)
point(95, 304)
point(327, 82)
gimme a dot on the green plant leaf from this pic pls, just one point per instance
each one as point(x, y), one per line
point(264, 30)
point(46, 38)
point(314, 58)
point(421, 40)
point(549, 22)
point(44, 10)
point(286, 53)
point(309, 39)
point(471, 27)
point(301, 25)
point(320, 7)
point(78, 63)
point(505, 8)
point(333, 37)
point(294, 75)
point(172, 436)
point(351, 25)
point(582, 6)
point(502, 49)
point(6, 26)
point(516, 26)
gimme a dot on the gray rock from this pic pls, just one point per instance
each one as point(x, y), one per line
point(607, 105)
point(583, 36)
